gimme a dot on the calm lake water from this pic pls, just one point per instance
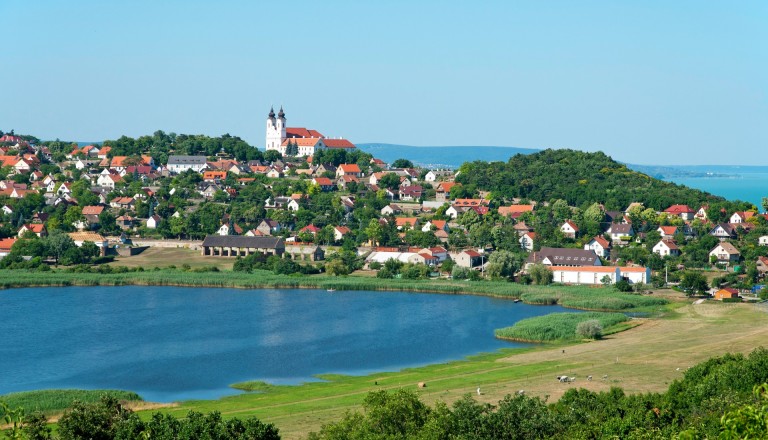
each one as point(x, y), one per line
point(172, 343)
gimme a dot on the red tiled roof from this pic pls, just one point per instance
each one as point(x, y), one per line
point(338, 143)
point(301, 132)
point(679, 209)
point(349, 168)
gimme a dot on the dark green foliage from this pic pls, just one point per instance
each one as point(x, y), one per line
point(108, 419)
point(558, 326)
point(580, 179)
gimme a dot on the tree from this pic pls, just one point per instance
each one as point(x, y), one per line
point(591, 329)
point(336, 267)
point(502, 264)
point(693, 283)
point(540, 274)
point(390, 181)
point(402, 163)
point(58, 243)
point(272, 156)
point(374, 231)
point(292, 149)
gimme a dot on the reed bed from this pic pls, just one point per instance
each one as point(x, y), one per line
point(556, 327)
point(55, 401)
point(580, 297)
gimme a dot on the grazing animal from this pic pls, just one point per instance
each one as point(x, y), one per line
point(478, 391)
point(571, 379)
point(589, 377)
point(521, 393)
point(562, 379)
point(605, 377)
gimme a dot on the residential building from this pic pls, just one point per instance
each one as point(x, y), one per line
point(528, 241)
point(666, 248)
point(569, 229)
point(726, 293)
point(726, 253)
point(683, 211)
point(600, 246)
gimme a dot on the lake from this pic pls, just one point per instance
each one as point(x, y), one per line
point(174, 343)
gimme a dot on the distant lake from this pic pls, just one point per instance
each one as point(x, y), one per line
point(749, 187)
point(173, 343)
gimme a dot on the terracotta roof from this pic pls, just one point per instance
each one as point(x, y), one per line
point(727, 247)
point(679, 209)
point(668, 230)
point(301, 132)
point(92, 210)
point(507, 210)
point(402, 221)
point(343, 229)
point(349, 168)
point(571, 224)
point(6, 243)
point(670, 244)
point(471, 253)
point(601, 269)
point(338, 143)
point(601, 241)
point(302, 142)
point(323, 181)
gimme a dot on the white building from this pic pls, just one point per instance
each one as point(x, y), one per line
point(594, 275)
point(180, 164)
point(279, 136)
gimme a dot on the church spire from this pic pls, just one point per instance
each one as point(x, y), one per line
point(281, 113)
point(271, 112)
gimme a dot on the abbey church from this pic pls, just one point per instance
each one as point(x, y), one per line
point(308, 141)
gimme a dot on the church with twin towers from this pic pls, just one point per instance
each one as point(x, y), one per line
point(308, 141)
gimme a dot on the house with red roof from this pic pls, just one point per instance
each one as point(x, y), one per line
point(324, 183)
point(741, 216)
point(726, 293)
point(339, 232)
point(406, 222)
point(437, 225)
point(600, 246)
point(514, 211)
point(527, 241)
point(5, 246)
point(443, 191)
point(37, 228)
point(349, 169)
point(569, 229)
point(683, 211)
point(311, 229)
point(469, 258)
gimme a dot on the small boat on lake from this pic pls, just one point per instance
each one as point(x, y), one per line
point(517, 300)
point(331, 290)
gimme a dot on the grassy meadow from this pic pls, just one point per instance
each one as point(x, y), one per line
point(52, 402)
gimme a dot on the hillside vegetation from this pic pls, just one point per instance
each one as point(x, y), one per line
point(580, 179)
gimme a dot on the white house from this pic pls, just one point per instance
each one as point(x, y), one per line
point(153, 221)
point(725, 253)
point(741, 216)
point(600, 246)
point(569, 229)
point(621, 233)
point(527, 241)
point(763, 241)
point(666, 247)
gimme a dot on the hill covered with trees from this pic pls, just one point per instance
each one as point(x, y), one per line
point(580, 179)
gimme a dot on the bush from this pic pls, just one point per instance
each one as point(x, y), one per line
point(623, 286)
point(591, 329)
point(460, 273)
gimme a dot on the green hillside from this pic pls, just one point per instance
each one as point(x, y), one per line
point(580, 179)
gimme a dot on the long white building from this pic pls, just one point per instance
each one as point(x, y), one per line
point(593, 275)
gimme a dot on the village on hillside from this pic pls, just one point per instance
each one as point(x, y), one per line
point(325, 206)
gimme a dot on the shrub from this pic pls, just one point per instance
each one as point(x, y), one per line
point(591, 329)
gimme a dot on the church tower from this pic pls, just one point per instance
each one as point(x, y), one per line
point(273, 134)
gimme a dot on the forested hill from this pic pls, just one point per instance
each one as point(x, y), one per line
point(580, 179)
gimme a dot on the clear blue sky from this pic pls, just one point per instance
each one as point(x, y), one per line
point(683, 82)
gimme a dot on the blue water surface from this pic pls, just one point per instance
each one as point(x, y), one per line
point(174, 343)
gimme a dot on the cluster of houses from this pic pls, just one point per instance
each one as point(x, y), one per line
point(414, 197)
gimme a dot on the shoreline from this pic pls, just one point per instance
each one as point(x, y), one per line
point(267, 280)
